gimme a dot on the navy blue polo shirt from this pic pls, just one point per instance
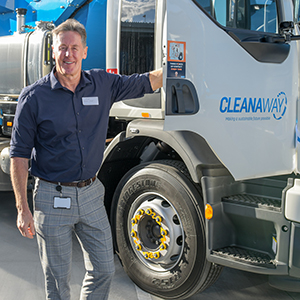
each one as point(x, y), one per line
point(64, 132)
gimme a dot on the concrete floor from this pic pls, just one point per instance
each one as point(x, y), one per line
point(21, 275)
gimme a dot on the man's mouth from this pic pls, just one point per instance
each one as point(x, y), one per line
point(68, 62)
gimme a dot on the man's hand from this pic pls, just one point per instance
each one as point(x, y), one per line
point(19, 173)
point(25, 223)
point(156, 79)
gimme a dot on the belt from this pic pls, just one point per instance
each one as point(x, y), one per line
point(79, 184)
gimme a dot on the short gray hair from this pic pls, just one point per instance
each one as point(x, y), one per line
point(71, 25)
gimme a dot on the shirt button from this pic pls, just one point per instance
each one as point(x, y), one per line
point(78, 114)
point(79, 131)
point(82, 148)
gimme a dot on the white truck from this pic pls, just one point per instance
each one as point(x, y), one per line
point(204, 172)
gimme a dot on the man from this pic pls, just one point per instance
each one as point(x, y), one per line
point(61, 123)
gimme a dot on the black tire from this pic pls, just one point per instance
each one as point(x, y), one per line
point(180, 270)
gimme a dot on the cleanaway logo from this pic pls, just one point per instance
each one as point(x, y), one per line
point(254, 108)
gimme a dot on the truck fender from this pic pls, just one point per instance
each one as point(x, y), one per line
point(192, 148)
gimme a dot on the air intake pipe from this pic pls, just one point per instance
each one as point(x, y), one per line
point(21, 12)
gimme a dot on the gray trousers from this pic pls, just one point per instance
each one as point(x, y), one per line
point(54, 227)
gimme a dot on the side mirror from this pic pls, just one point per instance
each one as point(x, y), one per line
point(286, 30)
point(286, 26)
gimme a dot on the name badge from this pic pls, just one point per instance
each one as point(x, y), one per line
point(90, 101)
point(60, 202)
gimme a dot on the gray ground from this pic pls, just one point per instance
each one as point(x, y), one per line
point(21, 274)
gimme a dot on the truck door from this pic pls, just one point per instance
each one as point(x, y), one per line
point(134, 45)
point(231, 78)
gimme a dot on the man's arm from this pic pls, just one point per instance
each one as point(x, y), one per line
point(19, 174)
point(156, 79)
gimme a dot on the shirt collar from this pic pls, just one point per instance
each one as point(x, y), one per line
point(55, 84)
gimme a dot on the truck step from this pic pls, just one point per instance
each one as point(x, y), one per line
point(254, 201)
point(247, 256)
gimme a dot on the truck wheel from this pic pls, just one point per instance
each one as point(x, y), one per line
point(159, 231)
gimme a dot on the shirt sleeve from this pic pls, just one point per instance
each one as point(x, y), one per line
point(24, 128)
point(130, 87)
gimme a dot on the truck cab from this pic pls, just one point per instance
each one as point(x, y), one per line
point(223, 139)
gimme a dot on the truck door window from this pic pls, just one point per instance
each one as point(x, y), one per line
point(253, 24)
point(256, 15)
point(137, 36)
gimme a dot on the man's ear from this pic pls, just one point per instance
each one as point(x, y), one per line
point(85, 52)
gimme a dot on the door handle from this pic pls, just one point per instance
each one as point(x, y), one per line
point(181, 97)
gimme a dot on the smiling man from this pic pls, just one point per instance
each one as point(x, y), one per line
point(61, 123)
point(69, 50)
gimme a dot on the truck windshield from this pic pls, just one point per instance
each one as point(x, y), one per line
point(257, 15)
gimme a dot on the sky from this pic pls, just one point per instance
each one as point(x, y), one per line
point(141, 11)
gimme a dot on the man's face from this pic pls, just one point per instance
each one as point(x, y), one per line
point(68, 53)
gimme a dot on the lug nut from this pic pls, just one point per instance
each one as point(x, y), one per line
point(163, 246)
point(163, 239)
point(140, 212)
point(158, 219)
point(163, 232)
point(148, 211)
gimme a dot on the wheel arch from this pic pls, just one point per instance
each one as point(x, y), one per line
point(192, 148)
point(125, 152)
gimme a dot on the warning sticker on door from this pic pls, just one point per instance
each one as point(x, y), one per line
point(176, 59)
